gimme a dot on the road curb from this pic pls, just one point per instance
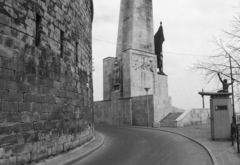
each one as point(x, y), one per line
point(214, 159)
point(95, 148)
point(77, 154)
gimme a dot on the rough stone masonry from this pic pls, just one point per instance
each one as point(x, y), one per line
point(45, 78)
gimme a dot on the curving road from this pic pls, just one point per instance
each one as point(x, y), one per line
point(136, 146)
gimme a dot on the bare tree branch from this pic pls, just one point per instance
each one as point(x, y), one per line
point(226, 50)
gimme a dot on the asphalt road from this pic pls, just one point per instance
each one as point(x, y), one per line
point(135, 146)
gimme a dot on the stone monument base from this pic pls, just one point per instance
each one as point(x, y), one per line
point(132, 111)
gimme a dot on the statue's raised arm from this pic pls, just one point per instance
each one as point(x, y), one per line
point(225, 84)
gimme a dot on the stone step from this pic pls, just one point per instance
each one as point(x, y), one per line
point(169, 120)
point(172, 116)
point(170, 123)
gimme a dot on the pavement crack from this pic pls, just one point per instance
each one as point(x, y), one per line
point(112, 140)
point(106, 142)
point(227, 150)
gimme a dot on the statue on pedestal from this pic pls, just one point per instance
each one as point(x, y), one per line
point(116, 76)
point(225, 84)
point(158, 41)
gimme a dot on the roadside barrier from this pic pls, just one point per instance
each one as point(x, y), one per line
point(235, 132)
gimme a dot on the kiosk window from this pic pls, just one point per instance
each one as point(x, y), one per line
point(221, 108)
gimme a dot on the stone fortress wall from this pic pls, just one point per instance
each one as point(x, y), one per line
point(45, 78)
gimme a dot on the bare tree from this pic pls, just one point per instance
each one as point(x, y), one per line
point(225, 51)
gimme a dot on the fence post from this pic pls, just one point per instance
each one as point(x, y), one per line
point(238, 138)
point(232, 134)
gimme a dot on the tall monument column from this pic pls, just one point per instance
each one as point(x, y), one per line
point(133, 70)
point(136, 47)
point(135, 30)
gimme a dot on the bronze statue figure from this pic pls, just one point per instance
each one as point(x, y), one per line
point(116, 76)
point(158, 41)
point(225, 84)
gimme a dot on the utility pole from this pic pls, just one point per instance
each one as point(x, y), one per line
point(203, 99)
point(238, 93)
point(234, 115)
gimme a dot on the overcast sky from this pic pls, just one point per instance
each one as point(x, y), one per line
point(189, 27)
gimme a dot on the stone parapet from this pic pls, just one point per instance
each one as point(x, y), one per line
point(138, 111)
point(116, 112)
point(193, 117)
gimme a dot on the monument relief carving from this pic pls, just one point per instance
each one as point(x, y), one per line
point(143, 63)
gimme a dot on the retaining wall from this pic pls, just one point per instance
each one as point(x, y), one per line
point(193, 117)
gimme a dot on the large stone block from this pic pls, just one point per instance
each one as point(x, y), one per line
point(6, 140)
point(22, 149)
point(20, 139)
point(31, 136)
point(67, 146)
point(12, 160)
point(13, 117)
point(7, 151)
point(9, 106)
point(33, 156)
point(6, 74)
point(2, 84)
point(51, 125)
point(11, 85)
point(15, 96)
point(6, 20)
point(18, 128)
point(27, 127)
point(1, 152)
point(27, 117)
point(23, 159)
point(4, 161)
point(6, 129)
point(42, 154)
point(25, 107)
point(38, 126)
point(36, 107)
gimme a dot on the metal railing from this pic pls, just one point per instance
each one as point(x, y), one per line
point(235, 132)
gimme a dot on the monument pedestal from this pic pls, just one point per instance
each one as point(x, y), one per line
point(220, 115)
